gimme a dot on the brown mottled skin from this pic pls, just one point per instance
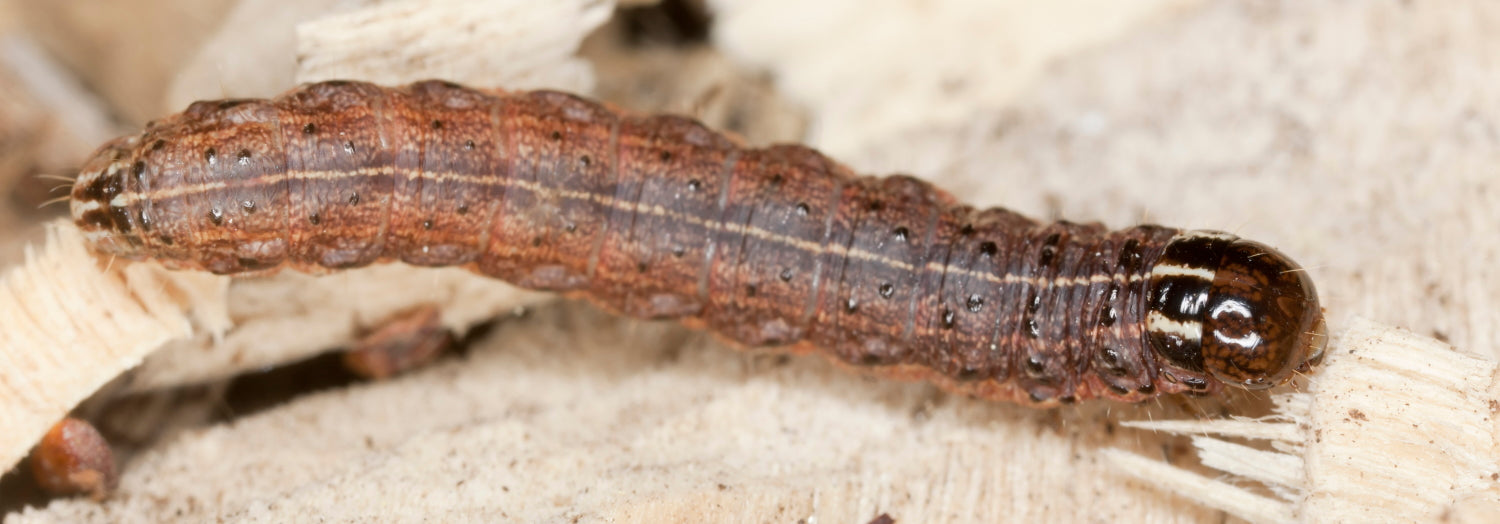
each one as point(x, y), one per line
point(656, 217)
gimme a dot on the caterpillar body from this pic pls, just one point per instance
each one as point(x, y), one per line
point(660, 217)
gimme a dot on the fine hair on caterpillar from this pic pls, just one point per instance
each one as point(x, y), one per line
point(657, 216)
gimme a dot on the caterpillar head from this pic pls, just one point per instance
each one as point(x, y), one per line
point(101, 203)
point(1234, 309)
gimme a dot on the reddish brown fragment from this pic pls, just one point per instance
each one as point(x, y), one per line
point(73, 459)
point(404, 341)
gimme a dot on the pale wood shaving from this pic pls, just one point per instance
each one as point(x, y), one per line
point(516, 44)
point(1238, 427)
point(1266, 467)
point(1228, 497)
point(1398, 427)
point(330, 312)
point(1402, 425)
point(66, 328)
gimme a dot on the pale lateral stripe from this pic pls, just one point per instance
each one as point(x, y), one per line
point(1213, 235)
point(1191, 330)
point(1174, 270)
point(609, 201)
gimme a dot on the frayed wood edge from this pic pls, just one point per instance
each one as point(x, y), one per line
point(66, 328)
point(291, 316)
point(510, 44)
point(1395, 427)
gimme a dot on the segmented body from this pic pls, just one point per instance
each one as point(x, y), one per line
point(657, 217)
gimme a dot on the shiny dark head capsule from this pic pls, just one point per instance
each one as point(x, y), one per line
point(1233, 309)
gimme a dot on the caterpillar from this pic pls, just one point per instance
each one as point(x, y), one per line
point(660, 217)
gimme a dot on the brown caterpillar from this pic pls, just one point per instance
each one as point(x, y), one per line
point(660, 217)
